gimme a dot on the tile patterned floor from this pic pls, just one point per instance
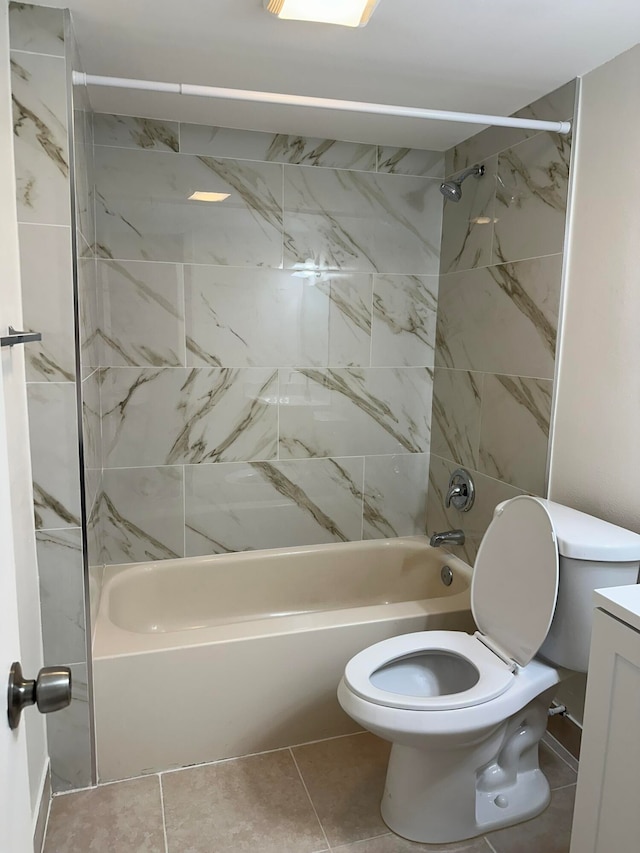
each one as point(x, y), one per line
point(309, 799)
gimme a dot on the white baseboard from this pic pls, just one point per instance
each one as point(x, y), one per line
point(42, 811)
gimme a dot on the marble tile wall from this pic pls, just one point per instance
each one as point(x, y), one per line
point(41, 43)
point(266, 361)
point(498, 306)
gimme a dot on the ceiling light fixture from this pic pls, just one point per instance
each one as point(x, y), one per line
point(346, 13)
point(203, 196)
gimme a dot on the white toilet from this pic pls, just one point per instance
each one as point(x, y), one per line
point(465, 713)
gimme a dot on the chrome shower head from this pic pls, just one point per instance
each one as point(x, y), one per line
point(452, 190)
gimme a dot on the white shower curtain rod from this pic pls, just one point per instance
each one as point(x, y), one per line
point(82, 79)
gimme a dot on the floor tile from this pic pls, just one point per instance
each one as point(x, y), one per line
point(550, 832)
point(345, 779)
point(122, 818)
point(248, 804)
point(394, 844)
point(556, 770)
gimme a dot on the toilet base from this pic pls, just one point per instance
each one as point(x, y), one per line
point(439, 796)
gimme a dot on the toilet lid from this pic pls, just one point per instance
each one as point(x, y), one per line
point(515, 579)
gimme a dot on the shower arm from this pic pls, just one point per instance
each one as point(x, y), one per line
point(82, 79)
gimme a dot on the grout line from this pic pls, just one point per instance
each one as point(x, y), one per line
point(204, 763)
point(36, 52)
point(479, 473)
point(491, 847)
point(283, 269)
point(564, 787)
point(304, 785)
point(164, 822)
point(46, 224)
point(312, 459)
point(448, 273)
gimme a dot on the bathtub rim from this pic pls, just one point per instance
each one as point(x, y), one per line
point(110, 640)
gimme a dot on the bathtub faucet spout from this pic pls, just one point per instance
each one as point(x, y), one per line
point(451, 537)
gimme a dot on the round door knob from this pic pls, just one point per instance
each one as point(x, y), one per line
point(51, 691)
point(53, 688)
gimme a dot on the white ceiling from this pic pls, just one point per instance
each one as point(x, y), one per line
point(485, 56)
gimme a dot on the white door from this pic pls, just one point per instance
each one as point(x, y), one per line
point(15, 808)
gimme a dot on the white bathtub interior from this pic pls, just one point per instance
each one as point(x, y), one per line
point(216, 657)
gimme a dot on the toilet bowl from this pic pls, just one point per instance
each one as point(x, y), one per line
point(465, 713)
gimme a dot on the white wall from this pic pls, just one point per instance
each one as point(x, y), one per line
point(595, 456)
point(17, 436)
point(595, 461)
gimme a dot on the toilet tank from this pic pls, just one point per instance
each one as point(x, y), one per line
point(593, 554)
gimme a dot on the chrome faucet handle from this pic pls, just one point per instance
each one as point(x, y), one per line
point(461, 492)
point(455, 492)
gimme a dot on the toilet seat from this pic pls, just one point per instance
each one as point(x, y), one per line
point(494, 675)
point(513, 598)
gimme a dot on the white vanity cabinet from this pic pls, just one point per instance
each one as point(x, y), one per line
point(607, 812)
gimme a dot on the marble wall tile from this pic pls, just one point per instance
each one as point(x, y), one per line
point(239, 507)
point(350, 317)
point(239, 317)
point(92, 432)
point(142, 514)
point(558, 105)
point(366, 222)
point(531, 198)
point(501, 319)
point(61, 595)
point(456, 412)
point(36, 29)
point(276, 147)
point(93, 488)
point(130, 132)
point(498, 312)
point(143, 322)
point(38, 85)
point(270, 352)
point(96, 580)
point(514, 437)
point(143, 211)
point(349, 412)
point(53, 431)
point(90, 305)
point(410, 161)
point(47, 301)
point(467, 225)
point(94, 543)
point(69, 738)
point(84, 169)
point(395, 495)
point(170, 416)
point(404, 320)
point(489, 493)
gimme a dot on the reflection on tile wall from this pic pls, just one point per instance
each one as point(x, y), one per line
point(499, 297)
point(267, 361)
point(41, 48)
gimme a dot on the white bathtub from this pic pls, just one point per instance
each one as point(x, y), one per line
point(214, 657)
